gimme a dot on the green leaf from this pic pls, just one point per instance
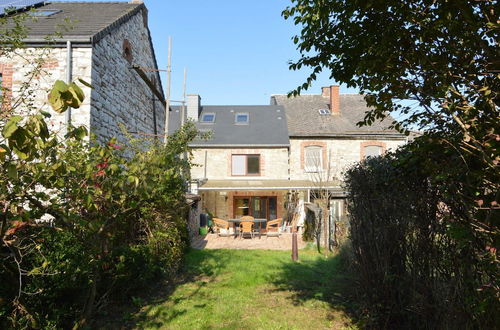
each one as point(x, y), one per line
point(85, 83)
point(11, 126)
point(45, 114)
point(12, 171)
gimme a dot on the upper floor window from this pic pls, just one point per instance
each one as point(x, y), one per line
point(241, 118)
point(313, 161)
point(372, 151)
point(208, 117)
point(245, 164)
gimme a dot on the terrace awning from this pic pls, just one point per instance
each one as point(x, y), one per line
point(268, 185)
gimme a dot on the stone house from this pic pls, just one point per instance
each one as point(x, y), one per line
point(107, 44)
point(325, 140)
point(258, 156)
point(242, 167)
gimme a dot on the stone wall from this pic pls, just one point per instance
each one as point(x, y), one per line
point(119, 94)
point(26, 79)
point(273, 163)
point(338, 154)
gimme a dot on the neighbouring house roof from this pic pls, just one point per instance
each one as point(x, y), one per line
point(304, 119)
point(89, 21)
point(266, 126)
point(269, 185)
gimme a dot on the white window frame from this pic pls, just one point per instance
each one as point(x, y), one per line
point(245, 173)
point(206, 121)
point(236, 122)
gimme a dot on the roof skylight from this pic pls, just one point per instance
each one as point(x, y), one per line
point(208, 117)
point(241, 118)
point(43, 13)
point(324, 112)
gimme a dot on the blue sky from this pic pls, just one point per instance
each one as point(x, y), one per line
point(235, 52)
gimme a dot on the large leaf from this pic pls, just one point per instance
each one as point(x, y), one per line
point(11, 126)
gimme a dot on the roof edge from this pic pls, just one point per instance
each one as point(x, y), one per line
point(239, 145)
point(119, 22)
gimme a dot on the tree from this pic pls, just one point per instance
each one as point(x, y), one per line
point(441, 54)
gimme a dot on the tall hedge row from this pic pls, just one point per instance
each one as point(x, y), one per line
point(424, 230)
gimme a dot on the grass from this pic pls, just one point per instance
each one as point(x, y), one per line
point(253, 289)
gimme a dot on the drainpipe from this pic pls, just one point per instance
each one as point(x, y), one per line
point(69, 65)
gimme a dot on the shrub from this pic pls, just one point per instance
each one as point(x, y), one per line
point(421, 246)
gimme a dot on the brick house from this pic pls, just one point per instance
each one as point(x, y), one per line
point(257, 155)
point(106, 45)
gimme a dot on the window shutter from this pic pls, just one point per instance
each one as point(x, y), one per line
point(373, 151)
point(313, 161)
point(238, 165)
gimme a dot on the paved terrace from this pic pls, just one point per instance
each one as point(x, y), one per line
point(213, 241)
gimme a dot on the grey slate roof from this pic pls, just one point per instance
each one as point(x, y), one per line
point(90, 21)
point(266, 128)
point(304, 119)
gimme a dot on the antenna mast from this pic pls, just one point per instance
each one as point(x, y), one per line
point(167, 101)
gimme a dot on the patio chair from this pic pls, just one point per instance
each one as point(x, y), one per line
point(246, 227)
point(221, 225)
point(273, 227)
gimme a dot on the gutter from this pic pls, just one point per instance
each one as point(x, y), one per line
point(268, 188)
point(249, 146)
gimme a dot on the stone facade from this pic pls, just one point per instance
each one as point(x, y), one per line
point(273, 163)
point(338, 154)
point(119, 95)
point(17, 69)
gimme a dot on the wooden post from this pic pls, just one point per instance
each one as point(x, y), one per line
point(295, 248)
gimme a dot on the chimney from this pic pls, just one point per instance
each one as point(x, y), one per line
point(136, 1)
point(325, 91)
point(334, 99)
point(193, 107)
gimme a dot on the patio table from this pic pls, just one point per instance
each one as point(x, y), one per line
point(256, 220)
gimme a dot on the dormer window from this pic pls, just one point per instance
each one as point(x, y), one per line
point(324, 112)
point(241, 118)
point(208, 117)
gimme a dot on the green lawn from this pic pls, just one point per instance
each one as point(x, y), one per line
point(253, 289)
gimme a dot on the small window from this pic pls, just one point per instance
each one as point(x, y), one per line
point(241, 118)
point(313, 161)
point(127, 51)
point(245, 164)
point(372, 151)
point(1, 86)
point(324, 112)
point(208, 118)
point(43, 13)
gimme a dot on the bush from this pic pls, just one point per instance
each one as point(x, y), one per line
point(421, 248)
point(113, 221)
